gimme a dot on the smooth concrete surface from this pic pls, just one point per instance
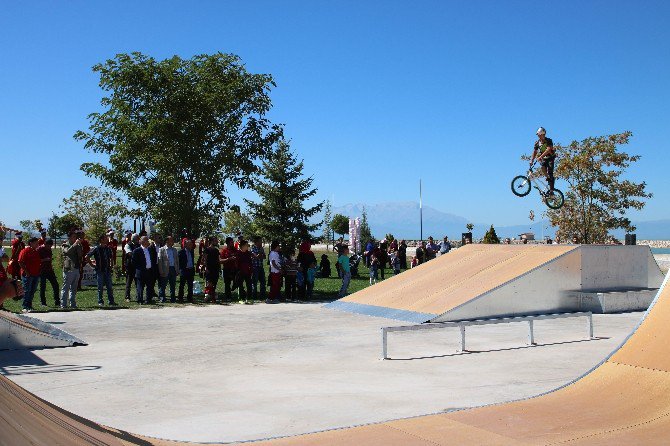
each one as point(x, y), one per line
point(225, 373)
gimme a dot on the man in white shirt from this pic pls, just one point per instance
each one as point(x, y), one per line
point(167, 269)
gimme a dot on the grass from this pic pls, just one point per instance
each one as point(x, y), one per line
point(325, 289)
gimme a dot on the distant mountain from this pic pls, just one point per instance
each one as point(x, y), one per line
point(402, 220)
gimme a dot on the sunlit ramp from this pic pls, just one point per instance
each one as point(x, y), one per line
point(22, 332)
point(487, 281)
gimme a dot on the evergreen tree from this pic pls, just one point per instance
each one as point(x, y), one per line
point(491, 237)
point(366, 232)
point(283, 191)
point(327, 217)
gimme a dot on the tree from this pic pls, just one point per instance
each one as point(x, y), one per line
point(327, 217)
point(28, 227)
point(177, 132)
point(366, 232)
point(96, 208)
point(598, 197)
point(235, 221)
point(491, 237)
point(340, 224)
point(62, 225)
point(283, 191)
point(470, 227)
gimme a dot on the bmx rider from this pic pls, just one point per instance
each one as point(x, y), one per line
point(544, 153)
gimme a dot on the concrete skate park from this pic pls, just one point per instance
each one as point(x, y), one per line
point(462, 365)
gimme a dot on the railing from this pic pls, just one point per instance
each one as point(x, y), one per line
point(462, 324)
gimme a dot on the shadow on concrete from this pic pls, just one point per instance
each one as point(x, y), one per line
point(471, 352)
point(25, 362)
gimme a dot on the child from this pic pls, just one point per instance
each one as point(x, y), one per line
point(343, 262)
point(415, 262)
point(290, 268)
point(275, 273)
point(374, 268)
point(395, 262)
point(311, 274)
point(243, 278)
point(324, 267)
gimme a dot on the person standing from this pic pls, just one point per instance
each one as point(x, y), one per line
point(13, 267)
point(383, 257)
point(402, 254)
point(186, 271)
point(144, 259)
point(86, 247)
point(72, 253)
point(30, 263)
point(212, 264)
point(367, 254)
point(47, 272)
point(113, 244)
point(128, 261)
point(431, 249)
point(124, 242)
point(290, 270)
point(229, 261)
point(258, 272)
point(167, 269)
point(305, 259)
point(275, 273)
point(343, 260)
point(244, 272)
point(445, 246)
point(420, 255)
point(102, 262)
point(43, 239)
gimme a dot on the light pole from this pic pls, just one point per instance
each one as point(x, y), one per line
point(420, 212)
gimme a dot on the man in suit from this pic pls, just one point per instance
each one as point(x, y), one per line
point(145, 261)
point(167, 268)
point(186, 270)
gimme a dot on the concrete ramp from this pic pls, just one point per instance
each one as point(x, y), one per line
point(22, 332)
point(623, 401)
point(482, 281)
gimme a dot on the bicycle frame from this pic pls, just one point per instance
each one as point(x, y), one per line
point(538, 181)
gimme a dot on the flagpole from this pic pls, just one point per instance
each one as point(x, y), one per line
point(420, 210)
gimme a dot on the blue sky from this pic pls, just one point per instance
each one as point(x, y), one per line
point(374, 95)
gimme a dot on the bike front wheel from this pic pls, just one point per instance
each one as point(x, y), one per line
point(521, 186)
point(555, 201)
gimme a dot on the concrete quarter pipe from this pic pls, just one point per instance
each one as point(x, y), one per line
point(622, 401)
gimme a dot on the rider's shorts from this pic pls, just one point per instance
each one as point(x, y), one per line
point(549, 164)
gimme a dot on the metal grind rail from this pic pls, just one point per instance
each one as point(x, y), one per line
point(505, 320)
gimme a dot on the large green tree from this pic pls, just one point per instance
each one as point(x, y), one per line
point(282, 213)
point(598, 196)
point(177, 132)
point(97, 208)
point(340, 224)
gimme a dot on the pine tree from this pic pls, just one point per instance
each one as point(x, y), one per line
point(366, 232)
point(327, 217)
point(281, 214)
point(491, 237)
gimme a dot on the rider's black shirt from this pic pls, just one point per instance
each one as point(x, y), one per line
point(541, 147)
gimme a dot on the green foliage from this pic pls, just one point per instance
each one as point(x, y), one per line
point(470, 227)
point(234, 221)
point(389, 238)
point(366, 232)
point(60, 226)
point(177, 132)
point(340, 224)
point(28, 227)
point(281, 213)
point(598, 197)
point(491, 237)
point(97, 209)
point(325, 225)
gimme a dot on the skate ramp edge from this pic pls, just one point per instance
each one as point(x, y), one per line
point(19, 332)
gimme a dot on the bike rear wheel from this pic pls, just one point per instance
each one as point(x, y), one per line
point(555, 201)
point(521, 186)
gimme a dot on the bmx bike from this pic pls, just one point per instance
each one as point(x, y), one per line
point(522, 184)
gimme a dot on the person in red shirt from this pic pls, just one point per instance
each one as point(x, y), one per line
point(244, 271)
point(13, 267)
point(229, 262)
point(30, 263)
point(43, 238)
point(113, 244)
point(47, 272)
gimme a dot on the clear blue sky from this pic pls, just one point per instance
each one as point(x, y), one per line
point(374, 94)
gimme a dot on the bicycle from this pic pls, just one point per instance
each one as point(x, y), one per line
point(522, 184)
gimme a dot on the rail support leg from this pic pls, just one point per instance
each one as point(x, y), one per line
point(590, 321)
point(531, 332)
point(384, 344)
point(462, 327)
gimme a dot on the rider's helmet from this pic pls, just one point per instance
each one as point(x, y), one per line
point(541, 131)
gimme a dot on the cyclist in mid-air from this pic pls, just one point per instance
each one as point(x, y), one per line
point(544, 153)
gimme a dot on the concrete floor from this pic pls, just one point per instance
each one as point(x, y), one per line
point(225, 373)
